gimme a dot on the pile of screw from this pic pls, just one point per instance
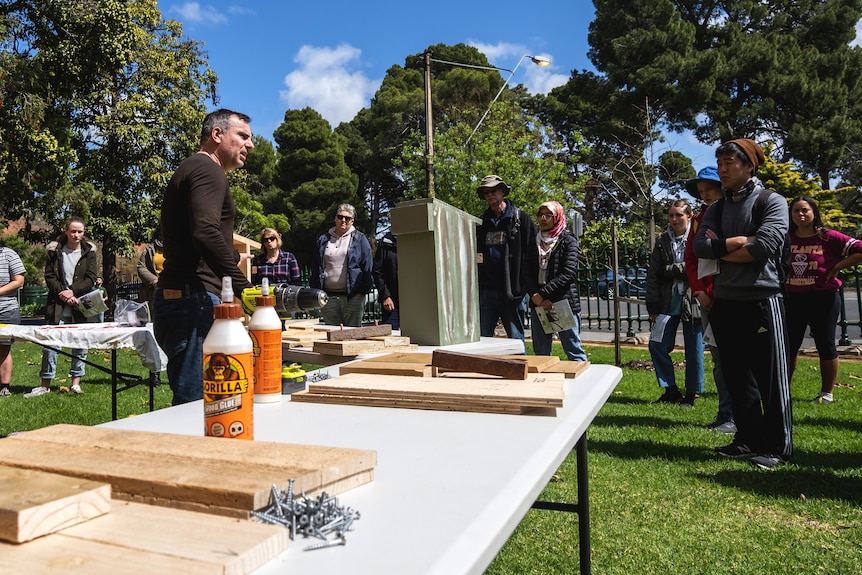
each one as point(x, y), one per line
point(319, 516)
point(318, 376)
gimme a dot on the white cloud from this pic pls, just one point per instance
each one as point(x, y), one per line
point(537, 79)
point(241, 10)
point(326, 80)
point(194, 12)
point(858, 40)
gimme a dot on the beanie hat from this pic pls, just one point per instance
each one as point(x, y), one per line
point(752, 150)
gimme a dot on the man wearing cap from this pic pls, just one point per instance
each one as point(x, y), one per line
point(747, 315)
point(707, 187)
point(502, 240)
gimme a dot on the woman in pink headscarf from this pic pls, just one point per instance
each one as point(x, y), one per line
point(551, 277)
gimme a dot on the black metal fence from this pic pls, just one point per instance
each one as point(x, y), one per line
point(599, 285)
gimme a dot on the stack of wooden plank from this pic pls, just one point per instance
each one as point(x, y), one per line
point(134, 539)
point(213, 475)
point(338, 343)
point(73, 499)
point(419, 364)
point(449, 381)
point(464, 392)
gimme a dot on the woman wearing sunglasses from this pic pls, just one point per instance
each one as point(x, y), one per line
point(274, 264)
point(341, 267)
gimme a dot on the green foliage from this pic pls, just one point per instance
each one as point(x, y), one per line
point(32, 256)
point(511, 144)
point(782, 70)
point(101, 100)
point(312, 178)
point(786, 179)
point(598, 237)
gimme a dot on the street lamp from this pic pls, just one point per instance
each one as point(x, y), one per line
point(536, 60)
point(429, 122)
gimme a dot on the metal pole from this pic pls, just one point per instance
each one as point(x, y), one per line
point(615, 262)
point(429, 128)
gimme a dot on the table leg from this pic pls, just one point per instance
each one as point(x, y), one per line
point(582, 507)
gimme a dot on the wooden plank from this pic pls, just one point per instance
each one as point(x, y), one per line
point(382, 368)
point(143, 539)
point(406, 402)
point(36, 503)
point(571, 369)
point(456, 361)
point(348, 348)
point(311, 323)
point(359, 332)
point(392, 340)
point(540, 390)
point(340, 486)
point(401, 357)
point(536, 363)
point(205, 470)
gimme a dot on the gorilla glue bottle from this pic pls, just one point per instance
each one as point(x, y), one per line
point(228, 372)
point(265, 331)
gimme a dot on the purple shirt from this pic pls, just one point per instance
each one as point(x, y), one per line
point(812, 258)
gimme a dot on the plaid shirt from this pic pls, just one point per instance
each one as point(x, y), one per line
point(285, 270)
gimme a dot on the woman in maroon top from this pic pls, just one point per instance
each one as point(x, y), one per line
point(817, 254)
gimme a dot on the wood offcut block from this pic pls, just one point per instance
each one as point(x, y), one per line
point(455, 361)
point(386, 368)
point(359, 332)
point(137, 539)
point(35, 503)
point(572, 369)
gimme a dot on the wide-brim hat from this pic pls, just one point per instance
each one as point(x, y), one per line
point(491, 182)
point(706, 174)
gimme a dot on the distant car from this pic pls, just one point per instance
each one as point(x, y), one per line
point(633, 284)
point(603, 285)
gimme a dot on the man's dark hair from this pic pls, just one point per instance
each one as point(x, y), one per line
point(730, 148)
point(220, 119)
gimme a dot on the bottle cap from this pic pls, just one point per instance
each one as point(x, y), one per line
point(264, 300)
point(227, 311)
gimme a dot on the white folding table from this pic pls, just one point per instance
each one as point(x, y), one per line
point(449, 487)
point(100, 336)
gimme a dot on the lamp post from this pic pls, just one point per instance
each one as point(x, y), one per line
point(429, 122)
point(536, 60)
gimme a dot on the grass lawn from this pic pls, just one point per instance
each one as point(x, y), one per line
point(661, 502)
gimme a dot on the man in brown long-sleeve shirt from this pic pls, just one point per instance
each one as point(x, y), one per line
point(197, 229)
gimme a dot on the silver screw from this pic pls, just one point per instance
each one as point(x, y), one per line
point(331, 543)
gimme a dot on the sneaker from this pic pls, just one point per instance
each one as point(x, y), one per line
point(728, 426)
point(767, 462)
point(719, 420)
point(37, 391)
point(5, 392)
point(671, 395)
point(77, 389)
point(735, 451)
point(823, 398)
point(688, 400)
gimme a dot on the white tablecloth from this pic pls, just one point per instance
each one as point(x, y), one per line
point(94, 336)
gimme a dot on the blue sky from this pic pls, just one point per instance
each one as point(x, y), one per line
point(276, 55)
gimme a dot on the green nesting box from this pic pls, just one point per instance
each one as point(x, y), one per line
point(438, 285)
